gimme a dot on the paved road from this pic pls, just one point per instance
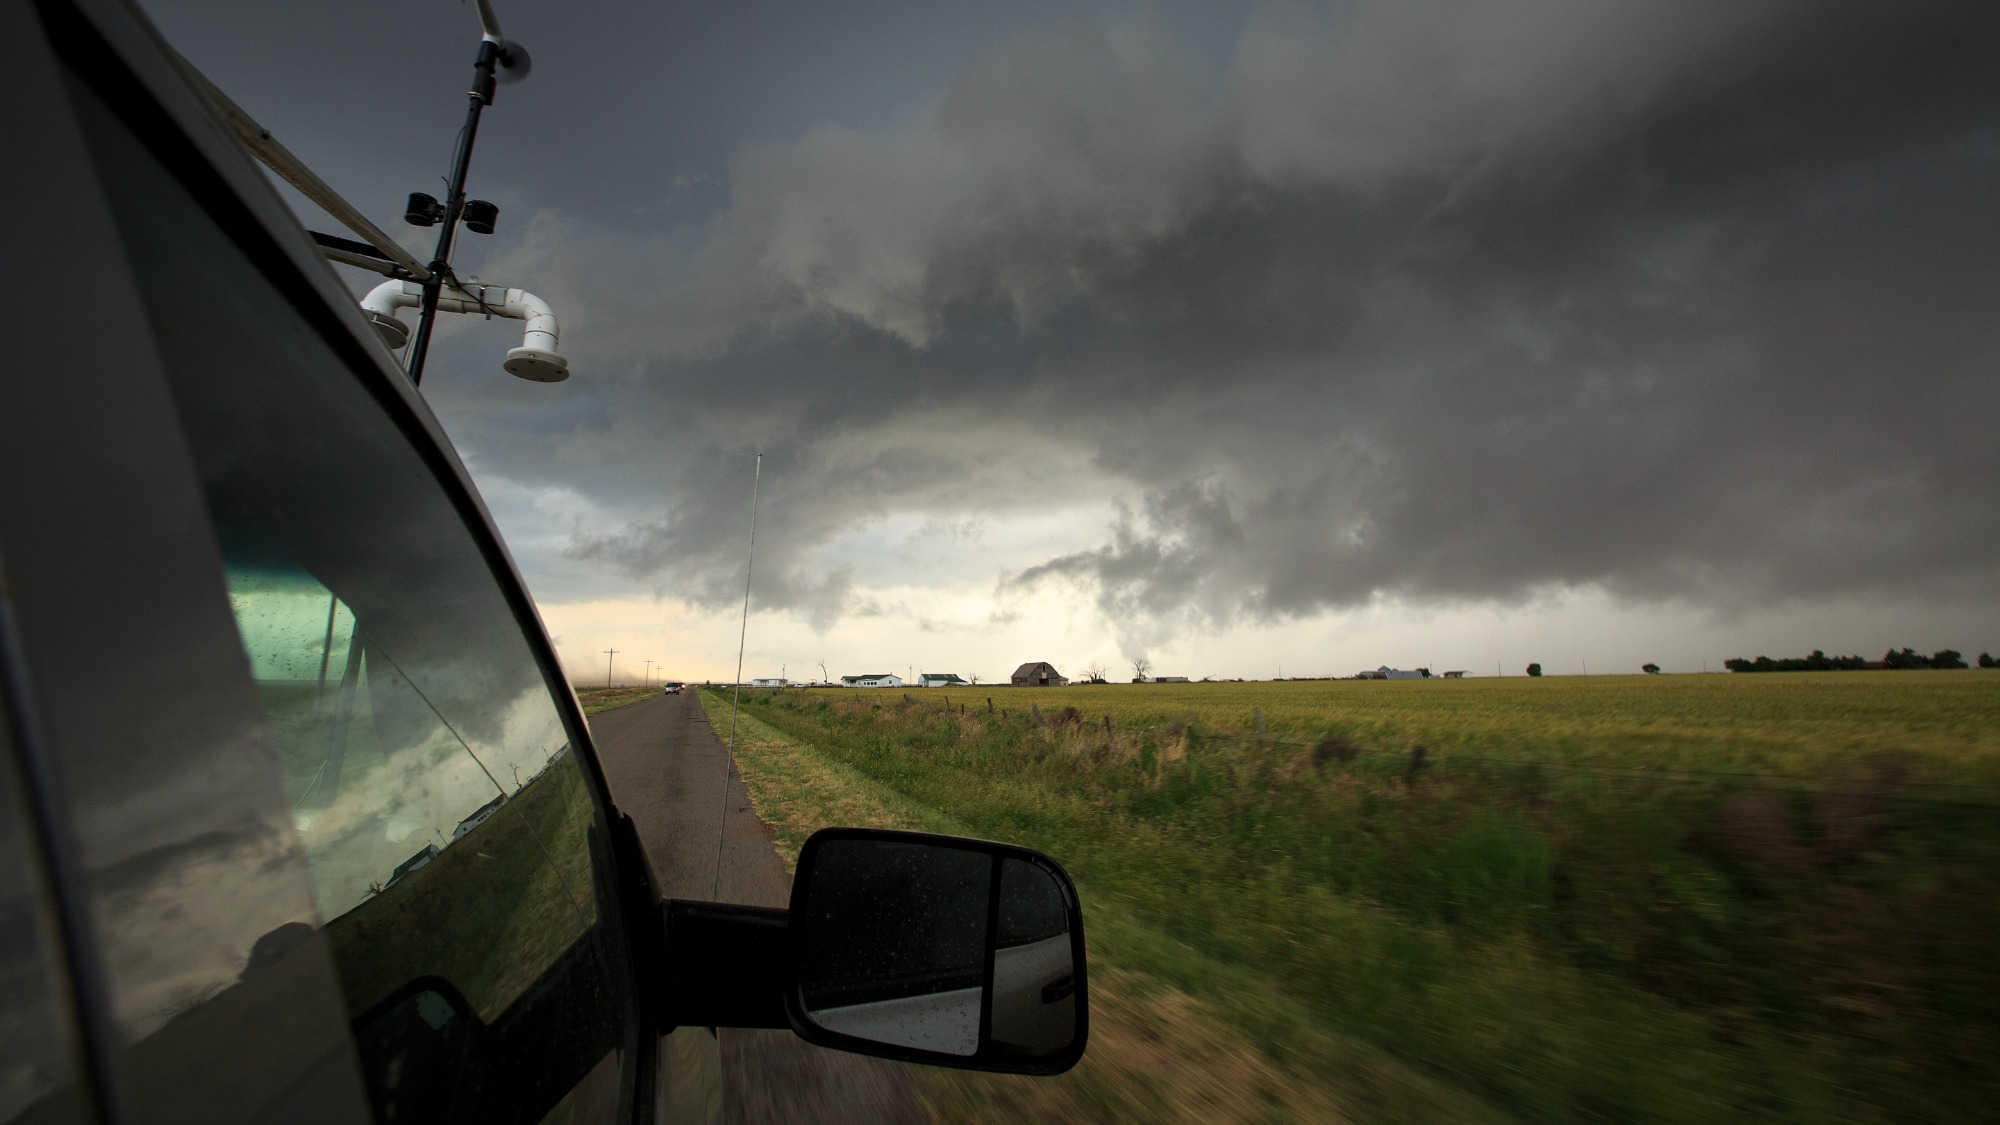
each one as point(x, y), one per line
point(666, 768)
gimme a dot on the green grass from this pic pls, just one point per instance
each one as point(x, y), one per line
point(596, 701)
point(1629, 899)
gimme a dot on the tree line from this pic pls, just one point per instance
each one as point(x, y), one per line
point(1821, 662)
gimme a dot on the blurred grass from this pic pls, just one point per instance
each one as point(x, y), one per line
point(598, 700)
point(1629, 899)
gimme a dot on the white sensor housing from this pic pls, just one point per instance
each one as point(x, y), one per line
point(535, 360)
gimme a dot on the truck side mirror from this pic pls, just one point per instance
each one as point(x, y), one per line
point(939, 950)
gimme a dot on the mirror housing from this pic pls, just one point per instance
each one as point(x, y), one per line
point(937, 949)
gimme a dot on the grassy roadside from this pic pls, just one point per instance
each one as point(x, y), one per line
point(1158, 1052)
point(1347, 927)
point(596, 701)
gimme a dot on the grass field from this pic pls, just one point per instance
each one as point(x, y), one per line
point(1766, 897)
point(599, 700)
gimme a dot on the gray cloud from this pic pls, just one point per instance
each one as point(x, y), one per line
point(1430, 301)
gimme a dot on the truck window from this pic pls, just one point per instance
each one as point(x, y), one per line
point(457, 856)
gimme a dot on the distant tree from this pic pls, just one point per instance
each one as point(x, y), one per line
point(1534, 669)
point(1095, 672)
point(1949, 658)
point(1907, 658)
point(1140, 668)
point(1986, 660)
point(1650, 669)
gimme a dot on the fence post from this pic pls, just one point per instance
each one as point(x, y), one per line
point(1262, 736)
point(1036, 710)
point(989, 705)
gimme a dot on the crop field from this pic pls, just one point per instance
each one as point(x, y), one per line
point(1770, 897)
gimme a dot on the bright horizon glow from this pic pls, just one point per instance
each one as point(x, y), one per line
point(1568, 633)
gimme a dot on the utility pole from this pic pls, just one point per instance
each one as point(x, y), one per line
point(610, 654)
point(649, 673)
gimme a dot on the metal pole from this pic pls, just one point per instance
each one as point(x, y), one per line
point(610, 654)
point(749, 561)
point(481, 96)
point(729, 758)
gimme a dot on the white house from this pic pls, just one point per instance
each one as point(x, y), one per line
point(878, 679)
point(1387, 673)
point(769, 681)
point(940, 679)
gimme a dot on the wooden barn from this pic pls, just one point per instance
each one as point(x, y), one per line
point(1040, 673)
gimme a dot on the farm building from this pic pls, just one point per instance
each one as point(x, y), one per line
point(768, 681)
point(1039, 673)
point(939, 679)
point(875, 679)
point(1387, 673)
point(1161, 680)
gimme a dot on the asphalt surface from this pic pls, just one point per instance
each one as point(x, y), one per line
point(666, 768)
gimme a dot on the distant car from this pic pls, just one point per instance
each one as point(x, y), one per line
point(670, 689)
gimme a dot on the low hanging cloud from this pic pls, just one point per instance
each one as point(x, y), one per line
point(1434, 301)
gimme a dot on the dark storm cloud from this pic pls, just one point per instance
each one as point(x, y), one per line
point(1436, 301)
point(1428, 301)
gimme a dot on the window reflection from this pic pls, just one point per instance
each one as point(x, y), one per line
point(438, 848)
point(35, 1028)
point(379, 780)
point(449, 831)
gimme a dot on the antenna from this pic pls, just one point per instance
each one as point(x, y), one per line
point(736, 696)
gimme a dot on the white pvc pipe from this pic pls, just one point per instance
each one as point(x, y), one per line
point(535, 359)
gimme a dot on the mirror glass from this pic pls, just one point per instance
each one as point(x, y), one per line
point(1034, 975)
point(948, 948)
point(892, 942)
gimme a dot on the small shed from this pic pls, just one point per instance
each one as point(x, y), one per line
point(1039, 673)
point(940, 679)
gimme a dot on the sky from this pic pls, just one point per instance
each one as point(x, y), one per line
point(1246, 339)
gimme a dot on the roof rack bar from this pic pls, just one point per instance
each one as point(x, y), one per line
point(363, 261)
point(288, 167)
point(335, 242)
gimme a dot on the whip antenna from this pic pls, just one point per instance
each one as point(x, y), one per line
point(736, 698)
